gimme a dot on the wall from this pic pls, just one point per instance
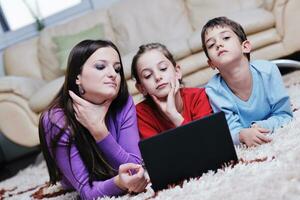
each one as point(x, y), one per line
point(1, 64)
point(19, 37)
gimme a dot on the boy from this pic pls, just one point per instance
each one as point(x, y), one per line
point(252, 95)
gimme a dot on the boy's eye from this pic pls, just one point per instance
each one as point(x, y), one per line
point(210, 45)
point(100, 66)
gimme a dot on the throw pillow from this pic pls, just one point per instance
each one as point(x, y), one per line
point(65, 43)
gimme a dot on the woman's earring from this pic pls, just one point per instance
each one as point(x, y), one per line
point(81, 90)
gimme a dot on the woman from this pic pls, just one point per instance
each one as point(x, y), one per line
point(89, 133)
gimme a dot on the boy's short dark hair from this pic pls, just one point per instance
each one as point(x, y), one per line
point(222, 22)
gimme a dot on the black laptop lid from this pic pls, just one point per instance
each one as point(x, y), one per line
point(188, 151)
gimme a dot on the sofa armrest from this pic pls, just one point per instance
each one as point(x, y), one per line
point(22, 86)
point(43, 97)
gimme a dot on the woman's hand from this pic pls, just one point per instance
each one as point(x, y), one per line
point(131, 177)
point(91, 116)
point(168, 107)
point(254, 136)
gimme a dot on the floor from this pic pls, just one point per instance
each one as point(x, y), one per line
point(11, 168)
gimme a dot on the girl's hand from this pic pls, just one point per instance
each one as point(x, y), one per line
point(168, 107)
point(91, 116)
point(254, 136)
point(131, 177)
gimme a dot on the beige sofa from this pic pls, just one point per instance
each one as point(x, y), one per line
point(33, 75)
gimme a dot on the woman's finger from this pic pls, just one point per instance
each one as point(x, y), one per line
point(140, 185)
point(76, 98)
point(124, 168)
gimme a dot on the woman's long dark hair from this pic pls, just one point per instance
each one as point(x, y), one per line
point(92, 157)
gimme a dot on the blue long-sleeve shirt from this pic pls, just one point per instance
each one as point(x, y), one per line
point(268, 106)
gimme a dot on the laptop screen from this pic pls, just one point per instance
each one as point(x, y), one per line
point(188, 151)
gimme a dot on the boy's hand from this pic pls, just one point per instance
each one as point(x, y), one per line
point(254, 136)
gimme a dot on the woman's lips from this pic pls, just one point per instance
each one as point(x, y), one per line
point(111, 84)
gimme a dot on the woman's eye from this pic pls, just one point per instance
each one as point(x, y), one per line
point(163, 69)
point(226, 38)
point(118, 69)
point(100, 66)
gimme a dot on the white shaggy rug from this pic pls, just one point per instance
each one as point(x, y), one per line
point(268, 172)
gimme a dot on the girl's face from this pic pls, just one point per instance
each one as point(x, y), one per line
point(156, 73)
point(100, 76)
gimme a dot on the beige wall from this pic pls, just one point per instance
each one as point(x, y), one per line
point(1, 64)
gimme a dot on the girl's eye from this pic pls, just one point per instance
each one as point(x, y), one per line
point(100, 66)
point(118, 69)
point(163, 67)
point(226, 38)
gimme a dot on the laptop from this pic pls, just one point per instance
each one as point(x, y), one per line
point(188, 151)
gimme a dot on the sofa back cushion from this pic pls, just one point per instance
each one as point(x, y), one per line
point(200, 11)
point(48, 49)
point(21, 59)
point(65, 43)
point(137, 22)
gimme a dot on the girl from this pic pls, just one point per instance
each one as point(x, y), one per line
point(158, 78)
point(87, 140)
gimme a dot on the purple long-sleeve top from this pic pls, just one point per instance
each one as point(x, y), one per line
point(119, 146)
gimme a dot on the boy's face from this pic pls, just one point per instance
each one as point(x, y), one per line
point(224, 47)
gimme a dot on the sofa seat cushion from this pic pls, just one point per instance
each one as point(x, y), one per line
point(43, 97)
point(47, 48)
point(253, 21)
point(21, 86)
point(138, 22)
